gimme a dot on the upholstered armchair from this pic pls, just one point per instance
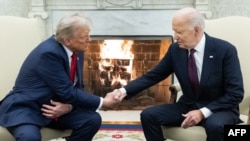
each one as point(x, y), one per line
point(236, 30)
point(18, 37)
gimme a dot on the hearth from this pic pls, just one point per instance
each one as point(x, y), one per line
point(121, 17)
point(112, 61)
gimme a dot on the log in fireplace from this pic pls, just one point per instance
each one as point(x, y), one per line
point(112, 61)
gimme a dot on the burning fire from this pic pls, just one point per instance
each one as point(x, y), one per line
point(116, 62)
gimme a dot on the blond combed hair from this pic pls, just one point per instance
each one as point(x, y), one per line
point(68, 25)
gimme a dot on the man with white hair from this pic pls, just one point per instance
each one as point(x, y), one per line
point(209, 74)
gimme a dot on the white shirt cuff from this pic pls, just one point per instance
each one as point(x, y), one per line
point(123, 90)
point(100, 105)
point(206, 112)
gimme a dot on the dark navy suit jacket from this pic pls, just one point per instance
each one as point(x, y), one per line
point(221, 84)
point(43, 76)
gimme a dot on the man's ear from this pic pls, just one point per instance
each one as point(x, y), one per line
point(67, 41)
point(197, 29)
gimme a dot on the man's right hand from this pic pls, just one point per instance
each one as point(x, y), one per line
point(119, 95)
point(112, 98)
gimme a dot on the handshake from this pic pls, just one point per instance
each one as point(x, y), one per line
point(112, 98)
point(57, 109)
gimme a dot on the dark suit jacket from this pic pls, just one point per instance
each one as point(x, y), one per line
point(221, 84)
point(44, 75)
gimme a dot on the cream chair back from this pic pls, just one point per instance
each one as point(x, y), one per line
point(236, 30)
point(18, 37)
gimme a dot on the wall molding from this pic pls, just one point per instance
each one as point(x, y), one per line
point(130, 17)
point(38, 6)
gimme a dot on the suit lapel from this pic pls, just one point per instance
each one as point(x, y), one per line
point(184, 65)
point(79, 67)
point(181, 61)
point(208, 61)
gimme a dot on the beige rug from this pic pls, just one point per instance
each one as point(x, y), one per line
point(119, 135)
point(118, 132)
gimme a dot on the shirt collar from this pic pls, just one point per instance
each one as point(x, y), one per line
point(201, 45)
point(68, 52)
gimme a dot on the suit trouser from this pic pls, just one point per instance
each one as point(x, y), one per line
point(84, 124)
point(154, 117)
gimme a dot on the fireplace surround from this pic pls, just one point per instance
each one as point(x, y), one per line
point(117, 17)
point(112, 61)
point(142, 20)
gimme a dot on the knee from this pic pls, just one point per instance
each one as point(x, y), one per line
point(95, 121)
point(26, 132)
point(214, 131)
point(214, 128)
point(28, 136)
point(147, 114)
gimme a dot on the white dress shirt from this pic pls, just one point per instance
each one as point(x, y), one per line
point(198, 55)
point(69, 53)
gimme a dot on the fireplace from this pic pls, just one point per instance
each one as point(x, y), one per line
point(134, 18)
point(112, 61)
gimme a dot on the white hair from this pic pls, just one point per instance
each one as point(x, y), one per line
point(194, 17)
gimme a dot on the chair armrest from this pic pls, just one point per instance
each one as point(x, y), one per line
point(174, 89)
point(248, 118)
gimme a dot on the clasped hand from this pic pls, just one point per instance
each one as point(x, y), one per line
point(113, 98)
point(57, 109)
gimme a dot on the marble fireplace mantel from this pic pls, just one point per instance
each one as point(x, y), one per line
point(117, 17)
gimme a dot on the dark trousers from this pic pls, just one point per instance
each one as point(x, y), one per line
point(154, 117)
point(84, 124)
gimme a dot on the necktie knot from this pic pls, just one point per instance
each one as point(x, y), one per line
point(73, 56)
point(192, 51)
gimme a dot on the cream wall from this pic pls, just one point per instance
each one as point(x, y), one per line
point(18, 8)
point(223, 8)
point(219, 8)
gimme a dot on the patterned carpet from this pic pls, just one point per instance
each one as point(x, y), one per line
point(118, 132)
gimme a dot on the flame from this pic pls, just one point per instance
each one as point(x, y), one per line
point(116, 58)
point(117, 49)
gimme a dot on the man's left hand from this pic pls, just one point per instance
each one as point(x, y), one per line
point(192, 118)
point(55, 110)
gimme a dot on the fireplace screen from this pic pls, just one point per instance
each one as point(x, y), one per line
point(113, 61)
